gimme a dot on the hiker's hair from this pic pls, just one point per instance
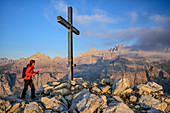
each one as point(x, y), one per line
point(31, 62)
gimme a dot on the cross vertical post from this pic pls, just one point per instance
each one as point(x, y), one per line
point(70, 46)
point(71, 28)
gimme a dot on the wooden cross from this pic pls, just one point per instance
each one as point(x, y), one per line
point(71, 28)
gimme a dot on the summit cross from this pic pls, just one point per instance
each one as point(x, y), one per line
point(71, 28)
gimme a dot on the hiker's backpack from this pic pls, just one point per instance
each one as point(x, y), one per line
point(24, 72)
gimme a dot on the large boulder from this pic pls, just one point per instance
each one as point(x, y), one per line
point(15, 108)
point(120, 85)
point(106, 89)
point(96, 90)
point(152, 102)
point(150, 87)
point(85, 102)
point(4, 106)
point(33, 107)
point(54, 104)
point(117, 107)
point(63, 85)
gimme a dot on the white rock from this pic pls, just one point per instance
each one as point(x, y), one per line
point(150, 87)
point(33, 107)
point(54, 104)
point(63, 85)
point(167, 101)
point(84, 84)
point(78, 80)
point(133, 98)
point(48, 89)
point(96, 90)
point(89, 104)
point(106, 89)
point(55, 83)
point(63, 91)
point(152, 102)
point(69, 97)
point(14, 107)
point(127, 91)
point(117, 98)
point(120, 85)
point(117, 107)
point(73, 83)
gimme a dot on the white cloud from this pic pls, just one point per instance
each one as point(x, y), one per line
point(90, 19)
point(99, 16)
point(134, 16)
point(146, 38)
point(159, 18)
point(60, 6)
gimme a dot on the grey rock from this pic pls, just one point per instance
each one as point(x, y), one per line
point(117, 107)
point(63, 85)
point(120, 85)
point(150, 87)
point(152, 102)
point(33, 107)
point(54, 104)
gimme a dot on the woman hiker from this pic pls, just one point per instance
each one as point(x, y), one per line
point(28, 80)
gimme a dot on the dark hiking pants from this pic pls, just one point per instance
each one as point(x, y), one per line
point(31, 84)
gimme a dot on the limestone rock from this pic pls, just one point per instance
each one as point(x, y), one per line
point(84, 84)
point(79, 87)
point(47, 111)
point(127, 91)
point(14, 107)
point(95, 84)
point(4, 105)
point(48, 89)
point(89, 103)
point(41, 89)
point(150, 87)
point(73, 83)
point(63, 85)
point(120, 85)
point(33, 107)
point(96, 90)
point(54, 104)
point(117, 107)
point(69, 97)
point(106, 81)
point(79, 96)
point(78, 80)
point(117, 98)
point(133, 98)
point(54, 83)
point(63, 91)
point(106, 89)
point(167, 101)
point(152, 102)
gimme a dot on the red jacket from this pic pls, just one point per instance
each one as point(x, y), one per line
point(29, 73)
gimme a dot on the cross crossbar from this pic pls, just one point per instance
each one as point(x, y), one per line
point(62, 21)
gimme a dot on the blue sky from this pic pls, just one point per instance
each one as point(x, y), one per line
point(30, 26)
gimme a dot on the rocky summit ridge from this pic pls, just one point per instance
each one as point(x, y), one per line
point(107, 96)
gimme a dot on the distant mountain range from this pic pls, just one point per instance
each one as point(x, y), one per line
point(93, 65)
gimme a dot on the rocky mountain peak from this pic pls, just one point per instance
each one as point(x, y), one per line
point(39, 55)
